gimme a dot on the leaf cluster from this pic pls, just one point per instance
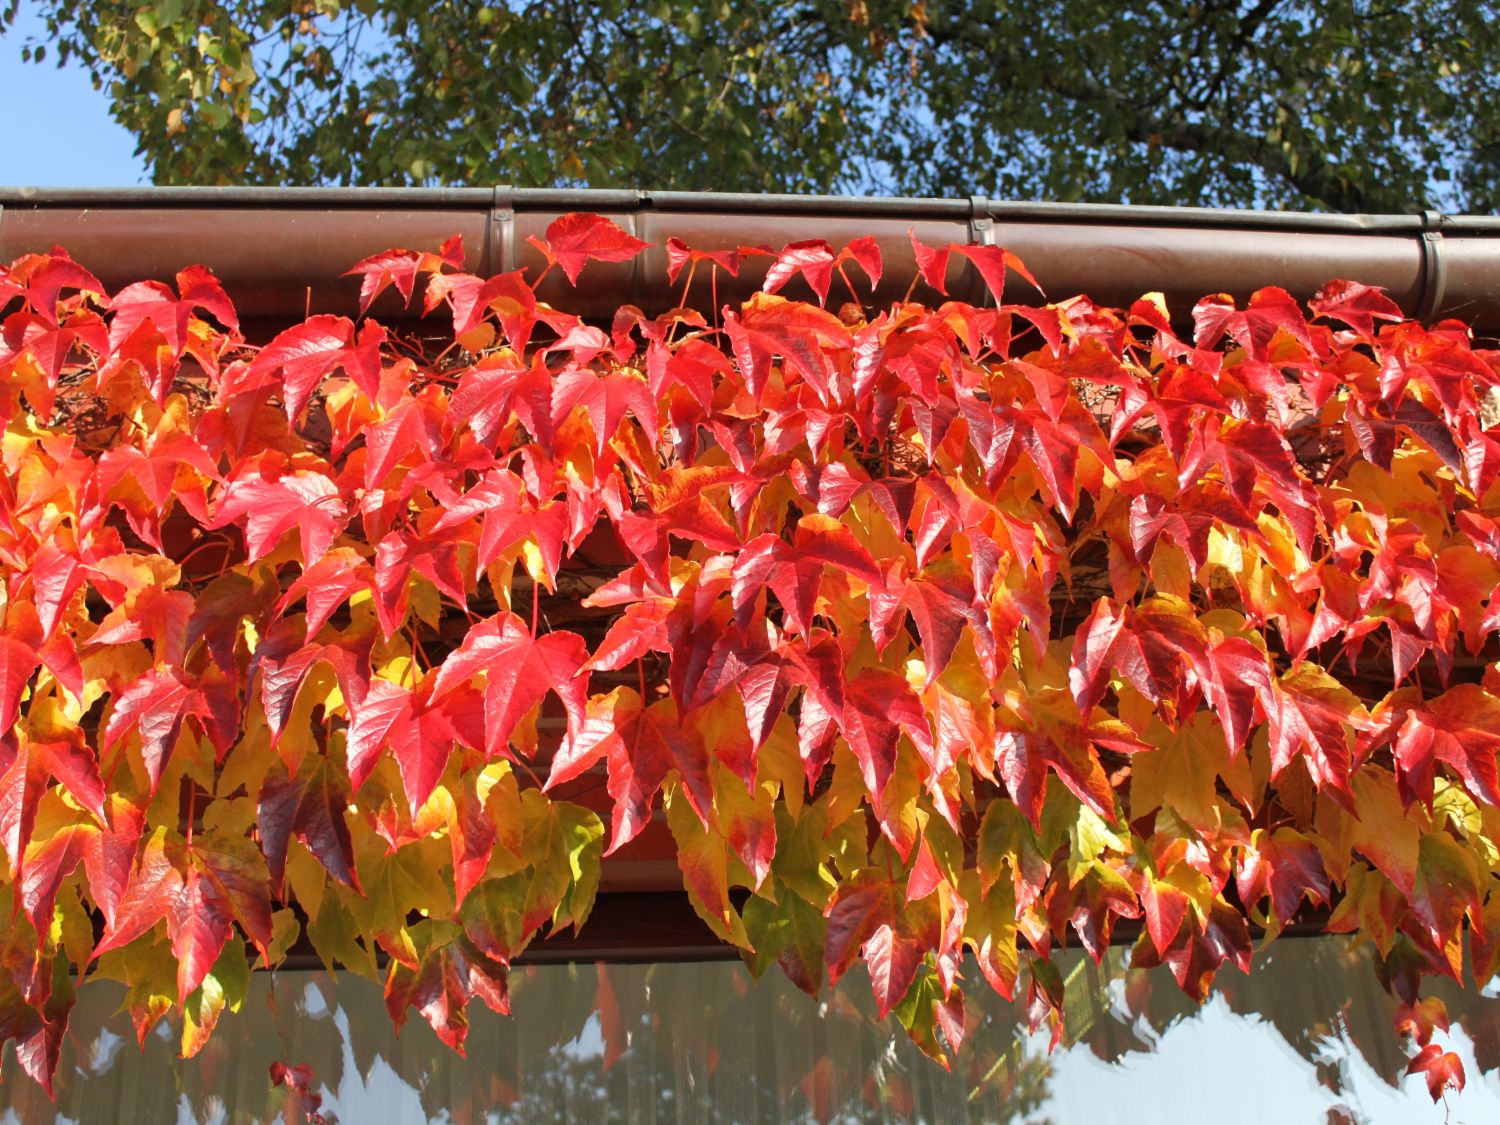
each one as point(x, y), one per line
point(916, 633)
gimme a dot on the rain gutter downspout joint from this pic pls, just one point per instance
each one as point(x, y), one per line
point(500, 233)
point(1434, 268)
point(981, 233)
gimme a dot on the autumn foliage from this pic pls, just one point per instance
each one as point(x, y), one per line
point(932, 630)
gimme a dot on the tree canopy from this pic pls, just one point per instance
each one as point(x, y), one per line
point(1369, 105)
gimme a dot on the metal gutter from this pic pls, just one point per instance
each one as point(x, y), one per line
point(280, 251)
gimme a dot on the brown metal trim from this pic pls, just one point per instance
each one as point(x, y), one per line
point(1434, 272)
point(279, 251)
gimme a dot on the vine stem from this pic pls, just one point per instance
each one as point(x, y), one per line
point(192, 809)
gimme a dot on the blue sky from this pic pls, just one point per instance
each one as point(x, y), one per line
point(56, 130)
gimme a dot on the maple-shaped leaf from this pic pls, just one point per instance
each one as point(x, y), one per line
point(640, 745)
point(767, 326)
point(150, 613)
point(34, 1012)
point(170, 313)
point(327, 584)
point(815, 260)
point(1440, 1068)
point(439, 981)
point(224, 881)
point(411, 425)
point(308, 502)
point(470, 299)
point(509, 516)
point(18, 660)
point(1449, 887)
point(401, 269)
point(991, 262)
point(48, 862)
point(56, 576)
point(434, 556)
point(419, 733)
point(281, 663)
point(154, 707)
point(1285, 866)
point(149, 894)
point(1057, 740)
point(1461, 729)
point(575, 238)
point(22, 782)
point(310, 806)
point(1356, 304)
point(1270, 311)
point(941, 603)
point(680, 254)
point(146, 482)
point(879, 707)
point(109, 856)
point(306, 354)
point(869, 916)
point(606, 399)
point(1159, 648)
point(795, 571)
point(65, 757)
point(677, 507)
point(1311, 715)
point(519, 670)
point(34, 345)
point(41, 279)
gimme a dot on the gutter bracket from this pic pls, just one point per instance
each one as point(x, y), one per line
point(1434, 267)
point(500, 232)
point(981, 226)
point(981, 233)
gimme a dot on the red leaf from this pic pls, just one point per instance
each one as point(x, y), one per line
point(374, 723)
point(304, 355)
point(327, 584)
point(310, 807)
point(865, 251)
point(22, 782)
point(149, 894)
point(1288, 867)
point(869, 916)
point(992, 262)
point(932, 262)
point(154, 706)
point(1461, 729)
point(438, 986)
point(1441, 1069)
point(48, 863)
point(1310, 714)
point(880, 706)
point(813, 259)
point(307, 502)
point(109, 856)
point(519, 671)
point(168, 313)
point(573, 239)
point(641, 747)
point(767, 326)
point(606, 399)
point(401, 267)
point(18, 661)
point(56, 576)
point(1356, 304)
